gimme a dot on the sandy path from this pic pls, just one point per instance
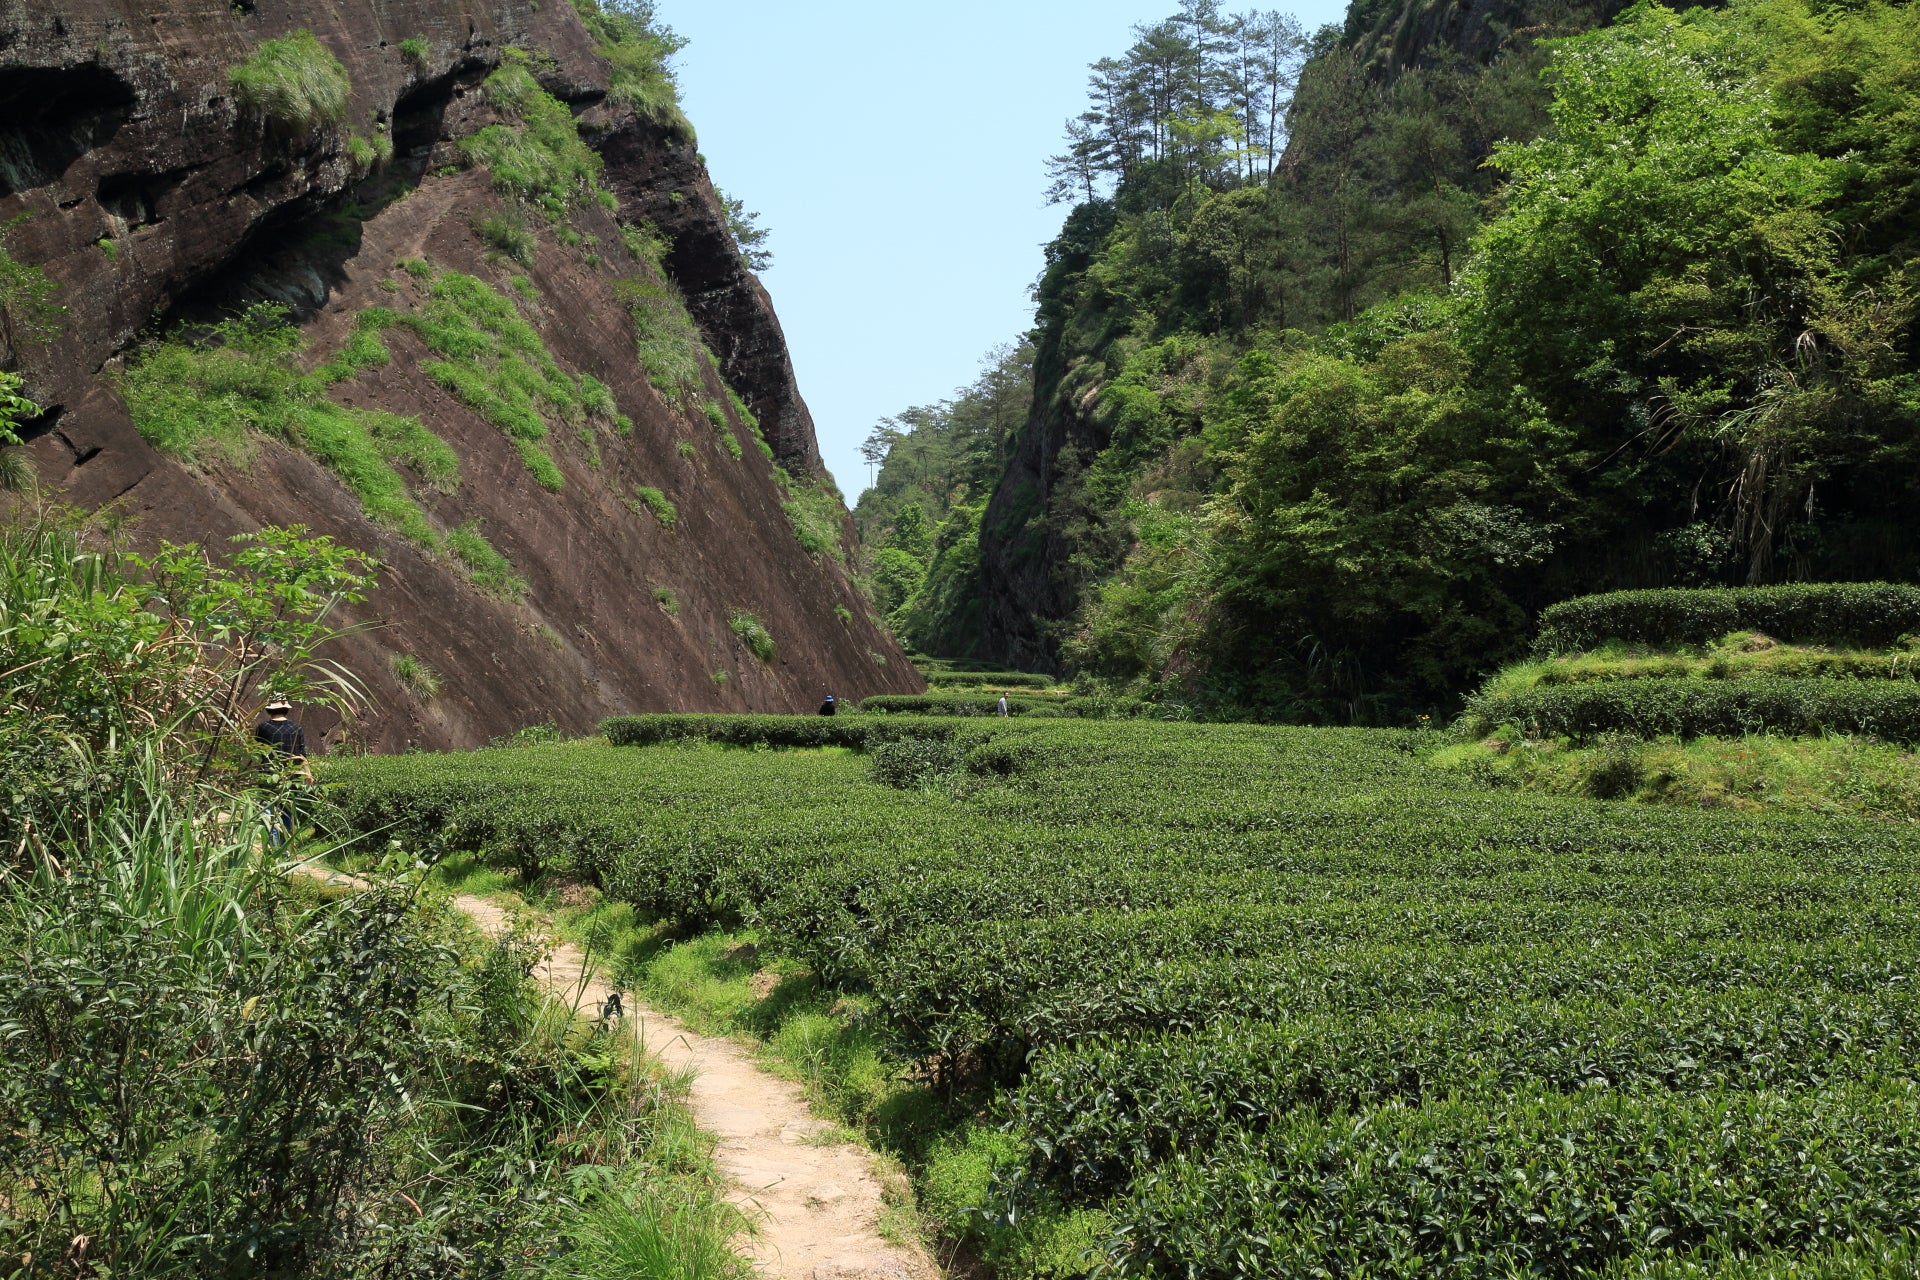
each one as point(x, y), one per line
point(817, 1206)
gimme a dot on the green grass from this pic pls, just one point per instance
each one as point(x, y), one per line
point(415, 676)
point(507, 235)
point(656, 502)
point(685, 449)
point(203, 401)
point(536, 154)
point(669, 602)
point(415, 50)
point(1739, 655)
point(492, 572)
point(816, 513)
point(26, 295)
point(109, 247)
point(294, 83)
point(637, 55)
point(753, 633)
point(369, 154)
point(1757, 773)
point(645, 243)
point(495, 362)
point(665, 336)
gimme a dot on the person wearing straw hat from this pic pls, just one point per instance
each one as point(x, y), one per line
point(286, 744)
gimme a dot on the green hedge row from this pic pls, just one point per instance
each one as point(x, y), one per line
point(960, 704)
point(1692, 708)
point(1867, 615)
point(943, 704)
point(996, 679)
point(770, 731)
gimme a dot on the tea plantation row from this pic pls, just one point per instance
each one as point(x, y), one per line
point(1288, 1001)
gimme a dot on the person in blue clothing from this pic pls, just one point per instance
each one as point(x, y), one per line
point(830, 706)
point(286, 744)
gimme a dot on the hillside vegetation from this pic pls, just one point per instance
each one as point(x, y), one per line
point(216, 1067)
point(1510, 308)
point(1201, 1000)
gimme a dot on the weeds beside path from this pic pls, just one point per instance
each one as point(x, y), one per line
point(816, 1204)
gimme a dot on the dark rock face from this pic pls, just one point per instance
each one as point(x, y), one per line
point(661, 178)
point(132, 180)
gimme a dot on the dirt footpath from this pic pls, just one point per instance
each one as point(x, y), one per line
point(816, 1206)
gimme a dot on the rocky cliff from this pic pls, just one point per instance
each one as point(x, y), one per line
point(533, 377)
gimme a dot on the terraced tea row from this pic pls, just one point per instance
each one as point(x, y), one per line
point(1287, 998)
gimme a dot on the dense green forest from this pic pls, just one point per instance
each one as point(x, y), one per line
point(1358, 349)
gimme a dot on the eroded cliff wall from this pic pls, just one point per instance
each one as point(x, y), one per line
point(542, 577)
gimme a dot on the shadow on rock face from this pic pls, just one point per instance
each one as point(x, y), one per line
point(51, 116)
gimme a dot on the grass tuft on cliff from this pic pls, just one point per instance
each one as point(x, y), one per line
point(668, 342)
point(294, 83)
point(537, 154)
point(648, 498)
point(639, 53)
point(753, 633)
point(201, 399)
point(486, 568)
point(817, 513)
point(201, 396)
point(494, 361)
point(27, 309)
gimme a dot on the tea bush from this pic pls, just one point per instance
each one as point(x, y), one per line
point(987, 679)
point(1283, 1000)
point(1691, 708)
point(1868, 615)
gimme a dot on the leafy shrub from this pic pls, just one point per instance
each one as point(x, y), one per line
point(1693, 708)
point(771, 731)
point(293, 82)
point(505, 233)
point(938, 704)
point(753, 633)
point(415, 50)
point(1867, 615)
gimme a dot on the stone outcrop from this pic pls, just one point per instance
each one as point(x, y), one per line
point(131, 178)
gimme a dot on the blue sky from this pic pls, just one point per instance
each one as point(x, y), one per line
point(898, 153)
